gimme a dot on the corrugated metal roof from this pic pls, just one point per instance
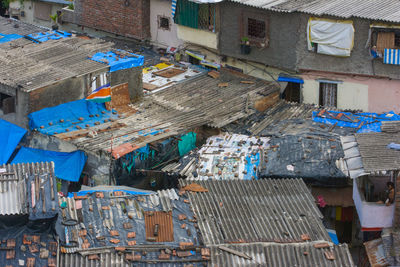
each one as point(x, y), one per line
point(376, 253)
point(282, 255)
point(375, 154)
point(110, 259)
point(163, 222)
point(264, 210)
point(14, 188)
point(386, 10)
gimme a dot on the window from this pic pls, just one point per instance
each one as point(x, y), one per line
point(99, 81)
point(198, 16)
point(7, 104)
point(255, 28)
point(328, 94)
point(163, 23)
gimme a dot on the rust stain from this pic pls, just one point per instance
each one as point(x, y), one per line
point(193, 187)
point(165, 225)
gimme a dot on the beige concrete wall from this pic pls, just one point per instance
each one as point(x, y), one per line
point(310, 91)
point(196, 36)
point(352, 95)
point(159, 36)
point(29, 7)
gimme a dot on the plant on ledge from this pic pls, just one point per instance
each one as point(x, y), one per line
point(245, 46)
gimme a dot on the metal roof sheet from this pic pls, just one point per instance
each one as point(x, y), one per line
point(264, 210)
point(282, 255)
point(13, 26)
point(386, 10)
point(186, 105)
point(14, 187)
point(375, 154)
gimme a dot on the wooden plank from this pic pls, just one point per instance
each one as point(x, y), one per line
point(149, 86)
point(169, 73)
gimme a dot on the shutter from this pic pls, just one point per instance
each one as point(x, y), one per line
point(187, 14)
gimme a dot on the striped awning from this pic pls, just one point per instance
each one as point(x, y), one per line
point(391, 56)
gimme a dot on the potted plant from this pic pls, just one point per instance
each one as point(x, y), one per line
point(245, 46)
point(55, 19)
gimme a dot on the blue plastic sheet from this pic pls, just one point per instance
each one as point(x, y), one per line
point(117, 62)
point(290, 79)
point(66, 116)
point(370, 122)
point(41, 37)
point(4, 38)
point(130, 192)
point(333, 236)
point(67, 165)
point(10, 136)
point(394, 146)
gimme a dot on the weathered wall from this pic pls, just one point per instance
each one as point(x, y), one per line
point(21, 106)
point(133, 77)
point(358, 63)
point(283, 35)
point(159, 36)
point(196, 36)
point(130, 18)
point(64, 91)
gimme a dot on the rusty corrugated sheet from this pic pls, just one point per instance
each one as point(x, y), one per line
point(375, 254)
point(165, 229)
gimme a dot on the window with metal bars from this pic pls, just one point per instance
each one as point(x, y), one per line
point(328, 94)
point(256, 28)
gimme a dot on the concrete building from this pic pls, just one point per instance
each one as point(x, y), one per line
point(45, 69)
point(347, 74)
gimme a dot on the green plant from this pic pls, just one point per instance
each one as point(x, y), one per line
point(71, 6)
point(245, 39)
point(54, 18)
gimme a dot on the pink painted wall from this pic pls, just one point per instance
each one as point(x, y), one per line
point(383, 93)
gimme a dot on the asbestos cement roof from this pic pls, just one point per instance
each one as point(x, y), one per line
point(282, 255)
point(265, 210)
point(201, 100)
point(29, 66)
point(13, 26)
point(16, 188)
point(386, 10)
point(375, 154)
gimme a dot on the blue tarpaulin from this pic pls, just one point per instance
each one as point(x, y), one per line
point(123, 60)
point(4, 38)
point(68, 165)
point(290, 79)
point(10, 136)
point(50, 35)
point(72, 116)
point(366, 122)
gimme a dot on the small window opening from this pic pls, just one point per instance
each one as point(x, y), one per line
point(256, 28)
point(7, 104)
point(163, 23)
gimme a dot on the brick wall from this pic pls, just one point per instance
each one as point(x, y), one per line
point(396, 217)
point(130, 18)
